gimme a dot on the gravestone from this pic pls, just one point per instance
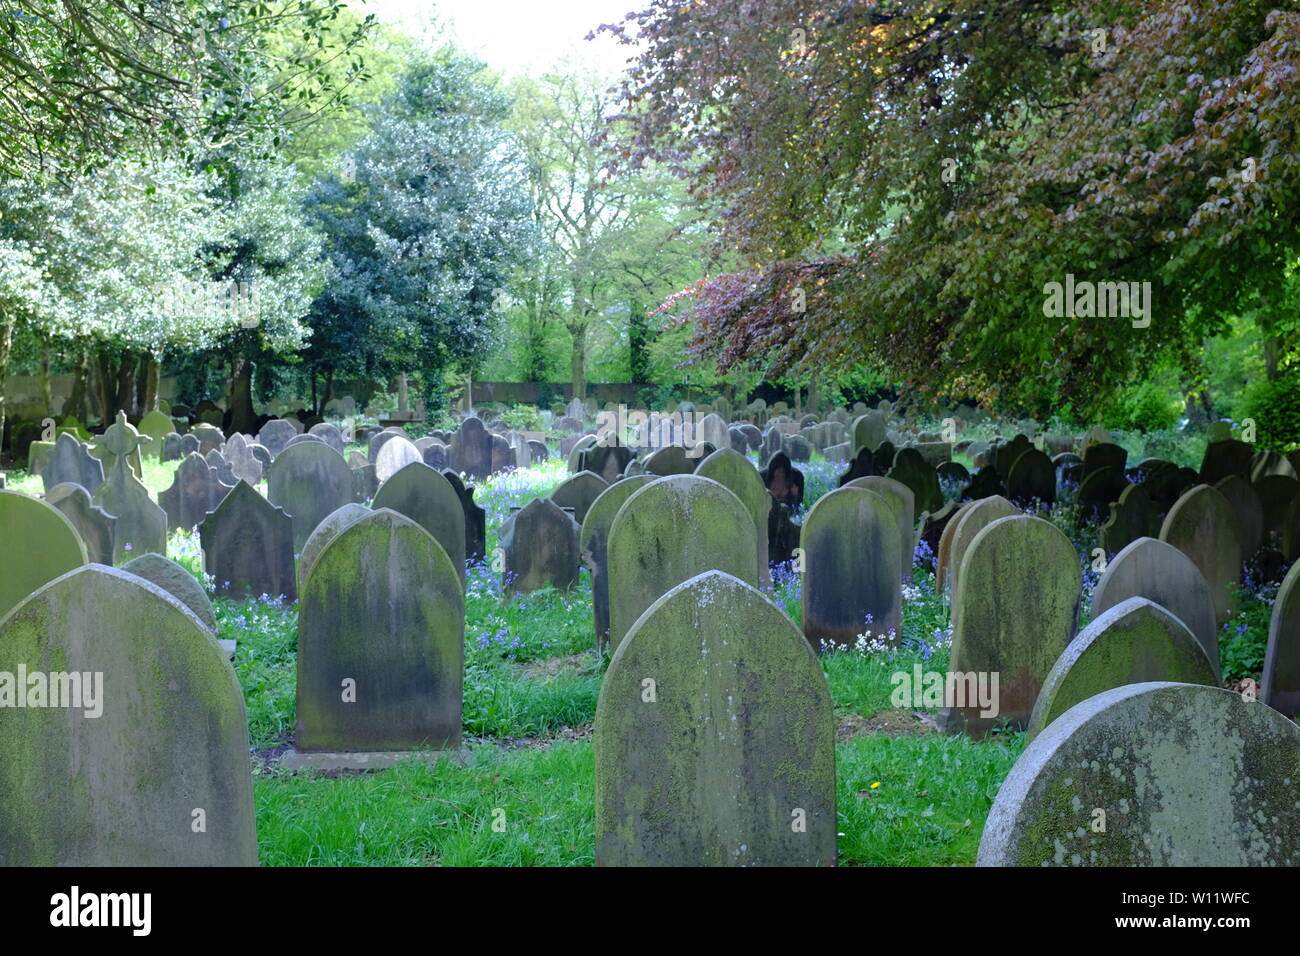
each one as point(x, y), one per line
point(943, 553)
point(577, 446)
point(1131, 517)
point(365, 483)
point(1224, 458)
point(94, 525)
point(578, 492)
point(244, 465)
point(210, 437)
point(797, 447)
point(1267, 462)
point(503, 456)
point(607, 461)
point(540, 544)
point(427, 498)
point(671, 530)
point(140, 525)
point(869, 430)
point(1202, 525)
point(40, 544)
point(1152, 569)
point(71, 461)
point(329, 529)
point(189, 446)
point(299, 439)
point(376, 442)
point(434, 453)
point(972, 521)
point(1103, 455)
point(330, 434)
point(1280, 686)
point(985, 484)
point(394, 456)
point(852, 581)
point(672, 460)
point(737, 474)
point(593, 543)
point(1276, 493)
point(1132, 642)
point(171, 737)
point(1249, 510)
point(275, 434)
point(309, 481)
point(177, 582)
point(1015, 609)
point(1185, 775)
point(783, 480)
point(1031, 477)
point(733, 763)
point(195, 491)
point(218, 463)
point(910, 469)
point(953, 472)
point(470, 452)
point(156, 427)
point(903, 504)
point(1098, 490)
point(475, 517)
point(171, 447)
point(248, 547)
point(381, 652)
point(1006, 455)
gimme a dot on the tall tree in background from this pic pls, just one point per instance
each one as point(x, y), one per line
point(901, 180)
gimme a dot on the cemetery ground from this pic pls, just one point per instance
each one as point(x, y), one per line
point(908, 794)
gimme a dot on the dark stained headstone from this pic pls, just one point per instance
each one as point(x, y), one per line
point(170, 738)
point(954, 472)
point(1103, 455)
point(94, 525)
point(1031, 477)
point(470, 452)
point(732, 762)
point(275, 434)
point(593, 543)
point(475, 517)
point(1185, 775)
point(911, 469)
point(248, 547)
point(1006, 455)
point(607, 461)
point(540, 544)
point(1276, 493)
point(1224, 458)
point(381, 641)
point(783, 480)
point(195, 491)
point(427, 498)
point(1249, 511)
point(738, 474)
point(1280, 687)
point(578, 492)
point(985, 484)
point(903, 505)
point(782, 534)
point(1099, 489)
point(670, 460)
point(1131, 517)
point(309, 481)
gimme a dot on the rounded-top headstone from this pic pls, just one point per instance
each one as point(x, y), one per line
point(170, 738)
point(309, 481)
point(593, 544)
point(973, 519)
point(733, 761)
point(1280, 686)
point(1203, 526)
point(579, 492)
point(1181, 775)
point(1134, 641)
point(325, 532)
point(733, 470)
point(394, 456)
point(42, 544)
point(905, 512)
point(177, 582)
point(427, 498)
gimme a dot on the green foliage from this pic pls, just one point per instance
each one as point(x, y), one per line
point(1275, 407)
point(1146, 407)
point(522, 418)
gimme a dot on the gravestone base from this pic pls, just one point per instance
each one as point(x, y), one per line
point(366, 760)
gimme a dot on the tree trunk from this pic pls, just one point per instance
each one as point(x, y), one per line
point(242, 416)
point(107, 374)
point(125, 383)
point(149, 385)
point(47, 400)
point(6, 347)
point(329, 387)
point(578, 361)
point(76, 406)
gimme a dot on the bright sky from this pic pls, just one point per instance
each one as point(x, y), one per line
point(516, 36)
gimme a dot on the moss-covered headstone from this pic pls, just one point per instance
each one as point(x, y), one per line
point(737, 473)
point(248, 547)
point(1203, 526)
point(670, 460)
point(329, 528)
point(1152, 774)
point(196, 490)
point(1280, 687)
point(144, 761)
point(380, 641)
point(176, 581)
point(670, 530)
point(93, 524)
point(427, 498)
point(715, 737)
point(593, 543)
point(309, 481)
point(1015, 609)
point(852, 581)
point(904, 507)
point(37, 544)
point(1134, 641)
point(973, 519)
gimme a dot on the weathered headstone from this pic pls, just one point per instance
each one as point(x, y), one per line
point(71, 461)
point(1280, 686)
point(1015, 609)
point(671, 530)
point(903, 503)
point(244, 465)
point(176, 581)
point(671, 460)
point(248, 547)
point(1104, 455)
point(1134, 641)
point(330, 435)
point(1224, 458)
point(1184, 775)
point(94, 525)
point(380, 641)
point(156, 426)
point(1249, 510)
point(166, 746)
point(540, 544)
point(329, 529)
point(1202, 525)
point(475, 517)
point(427, 498)
point(470, 452)
point(309, 481)
point(578, 492)
point(738, 474)
point(869, 430)
point(195, 491)
point(593, 543)
point(394, 456)
point(1032, 477)
point(140, 525)
point(971, 522)
point(852, 581)
point(783, 480)
point(275, 434)
point(1131, 517)
point(730, 759)
point(910, 469)
point(1276, 493)
point(39, 545)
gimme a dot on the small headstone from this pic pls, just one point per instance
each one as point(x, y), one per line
point(94, 525)
point(783, 481)
point(910, 469)
point(365, 483)
point(330, 435)
point(1185, 775)
point(540, 543)
point(1202, 525)
point(1103, 455)
point(733, 764)
point(427, 498)
point(309, 481)
point(1276, 492)
point(903, 505)
point(177, 582)
point(1099, 489)
point(248, 547)
point(672, 460)
point(736, 473)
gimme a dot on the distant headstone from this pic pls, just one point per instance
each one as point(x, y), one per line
point(157, 427)
point(427, 498)
point(71, 461)
point(903, 503)
point(1202, 525)
point(738, 474)
point(593, 543)
point(1099, 488)
point(540, 543)
point(1015, 609)
point(248, 547)
point(141, 525)
point(733, 763)
point(985, 484)
point(381, 641)
point(275, 434)
point(1224, 458)
point(1032, 477)
point(1249, 510)
point(1133, 516)
point(177, 582)
point(1103, 455)
point(869, 430)
point(394, 456)
point(1185, 775)
point(330, 435)
point(475, 517)
point(195, 491)
point(783, 480)
point(94, 525)
point(971, 522)
point(1276, 492)
point(911, 469)
point(470, 452)
point(309, 481)
point(1132, 642)
point(578, 492)
point(671, 460)
point(244, 465)
point(170, 737)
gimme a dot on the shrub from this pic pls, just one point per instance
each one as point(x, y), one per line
point(1275, 407)
point(1147, 407)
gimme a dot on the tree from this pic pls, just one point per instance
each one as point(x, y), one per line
point(920, 172)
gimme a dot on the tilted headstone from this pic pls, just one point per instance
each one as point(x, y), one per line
point(167, 744)
point(578, 492)
point(140, 525)
point(540, 544)
point(210, 438)
point(38, 543)
point(576, 447)
point(852, 580)
point(365, 483)
point(427, 498)
point(248, 547)
point(1152, 774)
point(177, 582)
point(1015, 610)
point(394, 456)
point(943, 553)
point(195, 491)
point(71, 461)
point(1280, 686)
point(1202, 525)
point(309, 481)
point(670, 530)
point(94, 525)
point(475, 517)
point(593, 543)
point(376, 442)
point(715, 737)
point(1132, 642)
point(1249, 510)
point(381, 641)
